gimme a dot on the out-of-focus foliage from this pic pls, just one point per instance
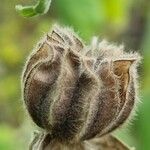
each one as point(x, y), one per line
point(121, 21)
point(40, 8)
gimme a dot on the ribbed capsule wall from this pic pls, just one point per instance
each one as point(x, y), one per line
point(76, 91)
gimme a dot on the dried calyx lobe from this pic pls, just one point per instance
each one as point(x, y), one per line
point(75, 91)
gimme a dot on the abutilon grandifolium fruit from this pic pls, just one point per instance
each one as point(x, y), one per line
point(78, 92)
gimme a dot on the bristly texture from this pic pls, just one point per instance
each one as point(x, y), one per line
point(77, 92)
point(44, 142)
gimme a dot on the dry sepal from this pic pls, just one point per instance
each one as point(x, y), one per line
point(77, 92)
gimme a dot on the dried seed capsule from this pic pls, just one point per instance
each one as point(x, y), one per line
point(44, 142)
point(76, 92)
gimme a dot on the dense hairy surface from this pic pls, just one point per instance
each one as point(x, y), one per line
point(76, 91)
point(44, 142)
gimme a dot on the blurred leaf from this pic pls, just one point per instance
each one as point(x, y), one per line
point(40, 8)
point(142, 124)
point(9, 139)
point(11, 55)
point(26, 11)
point(116, 12)
point(146, 55)
point(9, 88)
point(86, 16)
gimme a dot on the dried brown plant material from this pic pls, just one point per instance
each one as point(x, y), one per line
point(108, 142)
point(77, 92)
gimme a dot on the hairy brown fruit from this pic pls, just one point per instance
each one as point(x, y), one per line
point(77, 92)
point(44, 142)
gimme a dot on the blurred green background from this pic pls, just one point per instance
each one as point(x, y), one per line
point(120, 21)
